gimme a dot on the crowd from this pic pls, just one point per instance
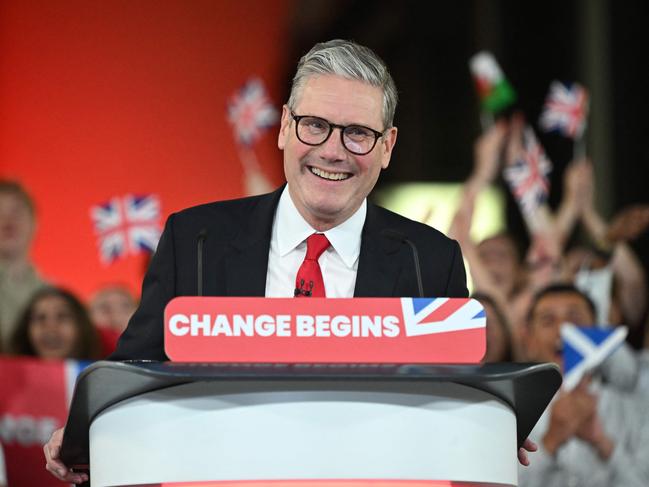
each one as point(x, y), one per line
point(40, 319)
point(596, 434)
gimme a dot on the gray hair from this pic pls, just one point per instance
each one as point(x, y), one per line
point(351, 61)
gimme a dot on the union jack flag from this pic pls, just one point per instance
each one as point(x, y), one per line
point(527, 176)
point(565, 110)
point(585, 348)
point(425, 316)
point(125, 225)
point(250, 112)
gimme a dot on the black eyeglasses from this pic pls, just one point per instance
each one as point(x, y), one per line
point(357, 139)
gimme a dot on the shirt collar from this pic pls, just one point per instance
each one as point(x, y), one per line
point(292, 229)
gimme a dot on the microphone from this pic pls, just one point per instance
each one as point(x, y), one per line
point(400, 237)
point(200, 240)
point(300, 289)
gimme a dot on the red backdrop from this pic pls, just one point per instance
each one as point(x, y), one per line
point(103, 98)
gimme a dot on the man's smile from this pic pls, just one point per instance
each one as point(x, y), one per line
point(329, 176)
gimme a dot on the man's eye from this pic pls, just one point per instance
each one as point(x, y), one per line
point(357, 132)
point(316, 124)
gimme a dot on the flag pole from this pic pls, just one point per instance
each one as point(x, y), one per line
point(487, 120)
point(255, 182)
point(579, 147)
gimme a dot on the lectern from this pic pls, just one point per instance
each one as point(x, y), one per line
point(148, 423)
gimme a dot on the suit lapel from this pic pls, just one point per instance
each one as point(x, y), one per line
point(247, 263)
point(378, 267)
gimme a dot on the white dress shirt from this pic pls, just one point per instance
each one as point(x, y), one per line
point(338, 263)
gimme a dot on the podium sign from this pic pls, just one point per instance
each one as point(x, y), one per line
point(320, 330)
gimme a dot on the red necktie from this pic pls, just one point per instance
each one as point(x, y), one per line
point(309, 276)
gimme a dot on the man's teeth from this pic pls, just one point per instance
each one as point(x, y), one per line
point(333, 176)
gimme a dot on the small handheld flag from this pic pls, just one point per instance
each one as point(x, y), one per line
point(527, 175)
point(125, 225)
point(585, 348)
point(250, 112)
point(495, 92)
point(565, 110)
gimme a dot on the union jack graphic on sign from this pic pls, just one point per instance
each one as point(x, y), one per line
point(125, 225)
point(426, 316)
point(565, 110)
point(250, 112)
point(527, 176)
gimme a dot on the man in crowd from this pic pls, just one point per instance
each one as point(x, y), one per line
point(594, 435)
point(18, 277)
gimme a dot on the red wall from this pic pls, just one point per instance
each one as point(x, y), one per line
point(103, 98)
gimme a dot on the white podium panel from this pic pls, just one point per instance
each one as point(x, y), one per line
point(209, 431)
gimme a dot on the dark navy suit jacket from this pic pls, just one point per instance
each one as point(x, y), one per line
point(235, 261)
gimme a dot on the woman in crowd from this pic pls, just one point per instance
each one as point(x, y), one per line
point(55, 325)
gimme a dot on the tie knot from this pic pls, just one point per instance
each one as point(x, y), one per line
point(316, 244)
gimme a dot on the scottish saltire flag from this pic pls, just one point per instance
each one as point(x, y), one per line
point(250, 112)
point(585, 348)
point(565, 110)
point(527, 176)
point(425, 316)
point(128, 224)
point(494, 90)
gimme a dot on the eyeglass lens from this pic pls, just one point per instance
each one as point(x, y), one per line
point(356, 139)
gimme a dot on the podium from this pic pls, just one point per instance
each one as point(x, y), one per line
point(155, 423)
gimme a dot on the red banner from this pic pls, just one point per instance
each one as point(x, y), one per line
point(320, 330)
point(34, 399)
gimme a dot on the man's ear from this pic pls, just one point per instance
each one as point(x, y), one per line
point(284, 126)
point(387, 144)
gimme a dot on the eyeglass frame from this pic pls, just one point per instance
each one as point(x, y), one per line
point(332, 126)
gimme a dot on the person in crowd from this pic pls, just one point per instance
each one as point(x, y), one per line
point(499, 342)
point(54, 326)
point(110, 309)
point(496, 263)
point(19, 279)
point(593, 435)
point(608, 270)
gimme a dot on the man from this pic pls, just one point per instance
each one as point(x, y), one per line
point(18, 277)
point(594, 435)
point(111, 307)
point(337, 134)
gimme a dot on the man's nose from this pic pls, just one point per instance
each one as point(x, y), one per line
point(333, 148)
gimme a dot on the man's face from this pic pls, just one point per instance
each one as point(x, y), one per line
point(112, 308)
point(16, 226)
point(543, 340)
point(500, 258)
point(345, 179)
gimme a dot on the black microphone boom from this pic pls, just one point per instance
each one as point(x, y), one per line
point(200, 240)
point(393, 234)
